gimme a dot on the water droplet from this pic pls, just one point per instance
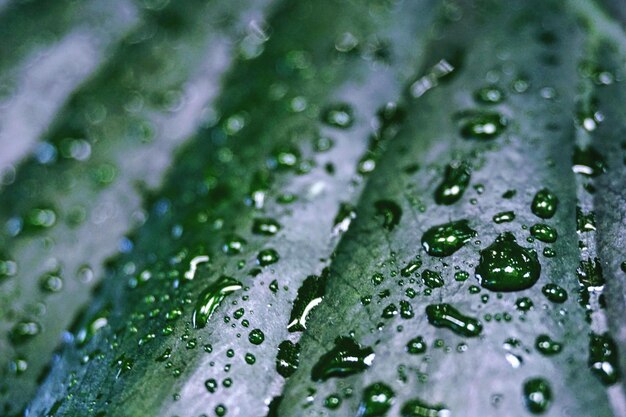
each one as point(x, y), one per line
point(346, 358)
point(211, 385)
point(406, 310)
point(377, 400)
point(544, 204)
point(590, 274)
point(445, 239)
point(309, 296)
point(338, 115)
point(265, 226)
point(588, 162)
point(416, 346)
point(211, 298)
point(455, 181)
point(390, 311)
point(250, 359)
point(23, 331)
point(432, 279)
point(220, 410)
point(51, 282)
point(390, 212)
point(344, 217)
point(444, 315)
point(482, 125)
point(504, 217)
point(544, 233)
point(332, 402)
point(256, 337)
point(506, 266)
point(554, 293)
point(585, 222)
point(524, 304)
point(234, 245)
point(489, 95)
point(267, 257)
point(537, 395)
point(418, 408)
point(288, 358)
point(604, 358)
point(411, 267)
point(546, 346)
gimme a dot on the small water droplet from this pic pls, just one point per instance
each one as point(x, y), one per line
point(265, 226)
point(504, 217)
point(418, 408)
point(416, 346)
point(482, 125)
point(432, 279)
point(554, 293)
point(604, 358)
point(339, 115)
point(588, 161)
point(267, 257)
point(544, 233)
point(546, 346)
point(256, 337)
point(376, 401)
point(310, 294)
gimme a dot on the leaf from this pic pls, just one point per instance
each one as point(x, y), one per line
point(136, 351)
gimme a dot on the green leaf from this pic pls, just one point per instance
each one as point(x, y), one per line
point(278, 275)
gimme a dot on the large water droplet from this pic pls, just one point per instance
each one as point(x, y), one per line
point(455, 181)
point(309, 296)
point(445, 239)
point(506, 266)
point(288, 358)
point(604, 358)
point(444, 315)
point(211, 298)
point(346, 358)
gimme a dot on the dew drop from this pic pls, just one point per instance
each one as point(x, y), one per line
point(445, 239)
point(346, 358)
point(211, 298)
point(444, 315)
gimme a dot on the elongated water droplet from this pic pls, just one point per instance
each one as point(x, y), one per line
point(588, 161)
point(344, 217)
point(211, 298)
point(288, 358)
point(590, 274)
point(546, 346)
point(309, 296)
point(506, 266)
point(418, 408)
point(267, 257)
point(585, 222)
point(416, 346)
point(265, 226)
point(604, 358)
point(432, 279)
point(482, 125)
point(537, 395)
point(444, 315)
point(489, 95)
point(504, 217)
point(338, 115)
point(346, 358)
point(390, 212)
point(411, 267)
point(544, 204)
point(544, 233)
point(376, 401)
point(455, 181)
point(445, 239)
